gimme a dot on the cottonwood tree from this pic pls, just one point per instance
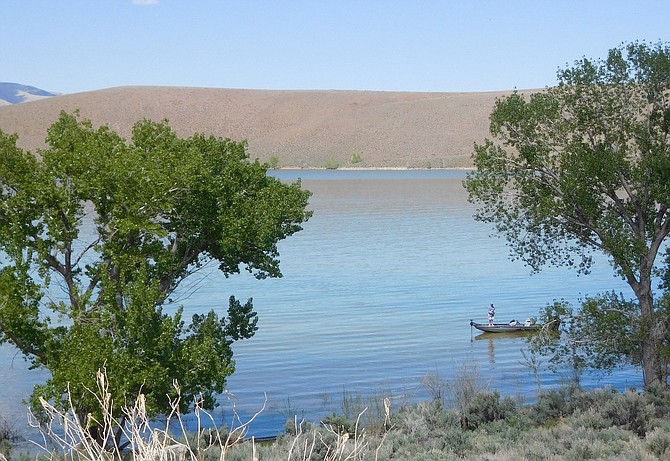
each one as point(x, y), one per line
point(584, 167)
point(98, 234)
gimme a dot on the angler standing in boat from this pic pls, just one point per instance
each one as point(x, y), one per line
point(492, 314)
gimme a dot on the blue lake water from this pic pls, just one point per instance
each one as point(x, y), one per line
point(378, 291)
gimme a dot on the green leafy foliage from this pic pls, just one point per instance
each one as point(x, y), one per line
point(583, 168)
point(97, 236)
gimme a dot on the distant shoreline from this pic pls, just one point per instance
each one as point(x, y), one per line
point(373, 168)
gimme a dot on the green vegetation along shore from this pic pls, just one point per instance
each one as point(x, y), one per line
point(462, 422)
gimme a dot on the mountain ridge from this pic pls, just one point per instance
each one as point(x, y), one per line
point(293, 128)
point(17, 93)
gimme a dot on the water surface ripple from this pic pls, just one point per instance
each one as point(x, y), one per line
point(378, 291)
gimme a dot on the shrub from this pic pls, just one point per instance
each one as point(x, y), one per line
point(295, 426)
point(512, 428)
point(615, 438)
point(658, 443)
point(537, 447)
point(660, 399)
point(630, 411)
point(427, 445)
point(340, 424)
point(458, 442)
point(427, 428)
point(553, 405)
point(598, 398)
point(590, 419)
point(273, 162)
point(584, 449)
point(424, 419)
point(486, 407)
point(356, 158)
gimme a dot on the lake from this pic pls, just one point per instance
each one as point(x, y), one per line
point(377, 294)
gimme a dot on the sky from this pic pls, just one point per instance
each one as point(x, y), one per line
point(71, 46)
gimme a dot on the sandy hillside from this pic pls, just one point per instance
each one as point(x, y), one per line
point(300, 128)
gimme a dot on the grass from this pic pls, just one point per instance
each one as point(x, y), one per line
point(565, 424)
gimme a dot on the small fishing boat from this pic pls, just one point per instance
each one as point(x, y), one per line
point(510, 327)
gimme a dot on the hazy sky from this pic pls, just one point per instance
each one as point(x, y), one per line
point(70, 46)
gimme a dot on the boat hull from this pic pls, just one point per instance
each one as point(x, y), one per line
point(504, 327)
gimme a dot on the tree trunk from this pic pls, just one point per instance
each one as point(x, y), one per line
point(654, 332)
point(654, 366)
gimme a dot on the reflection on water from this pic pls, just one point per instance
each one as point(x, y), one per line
point(492, 352)
point(491, 339)
point(378, 292)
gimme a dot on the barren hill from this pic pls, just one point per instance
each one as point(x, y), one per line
point(309, 129)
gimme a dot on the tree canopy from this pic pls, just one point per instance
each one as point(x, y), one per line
point(98, 233)
point(584, 167)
